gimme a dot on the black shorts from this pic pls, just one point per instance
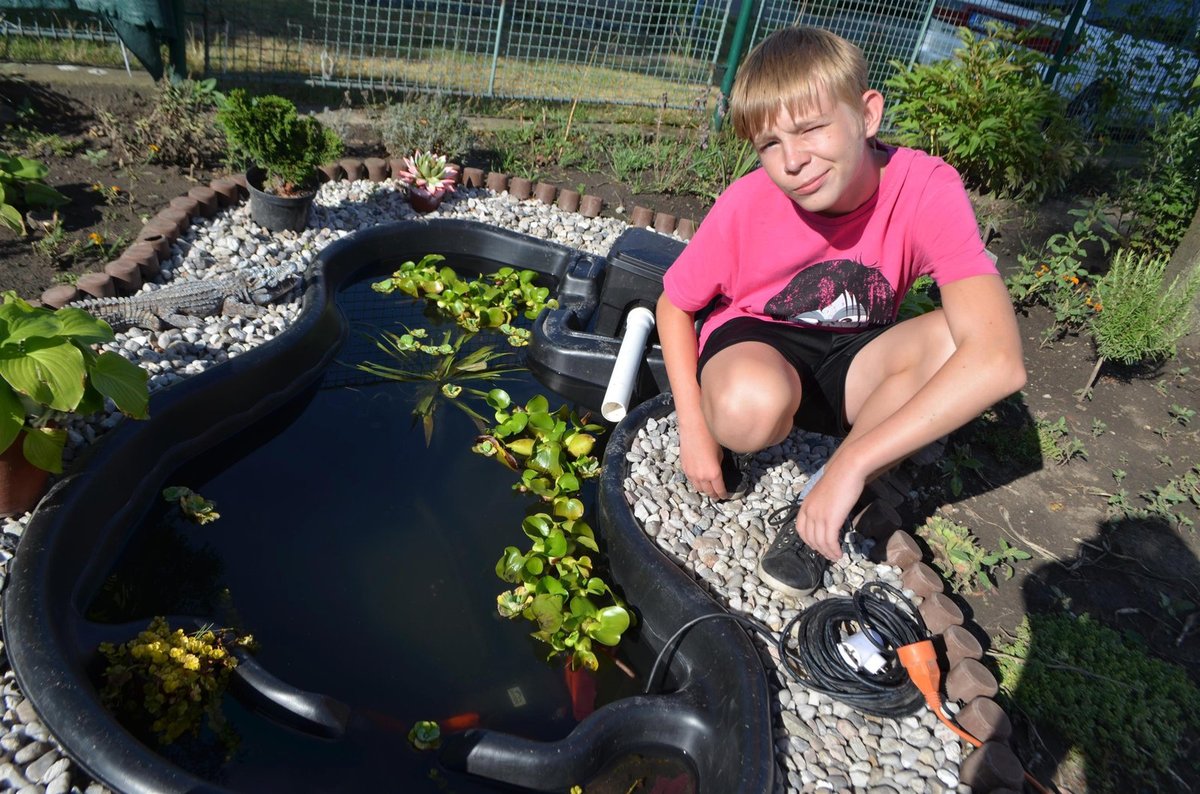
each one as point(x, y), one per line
point(821, 358)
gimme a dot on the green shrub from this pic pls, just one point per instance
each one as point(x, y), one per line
point(1123, 710)
point(987, 113)
point(426, 123)
point(1136, 319)
point(266, 131)
point(1163, 199)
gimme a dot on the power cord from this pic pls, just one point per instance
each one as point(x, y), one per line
point(887, 666)
point(844, 647)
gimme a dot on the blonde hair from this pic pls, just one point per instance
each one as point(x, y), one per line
point(790, 68)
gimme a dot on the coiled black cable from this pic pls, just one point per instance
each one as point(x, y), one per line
point(812, 657)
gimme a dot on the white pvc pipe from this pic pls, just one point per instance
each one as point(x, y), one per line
point(638, 324)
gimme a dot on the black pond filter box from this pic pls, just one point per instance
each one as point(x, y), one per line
point(633, 276)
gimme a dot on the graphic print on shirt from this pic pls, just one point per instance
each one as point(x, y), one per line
point(839, 293)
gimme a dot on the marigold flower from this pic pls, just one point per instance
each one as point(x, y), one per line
point(1098, 307)
point(153, 147)
point(95, 238)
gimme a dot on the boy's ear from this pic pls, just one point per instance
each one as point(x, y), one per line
point(872, 112)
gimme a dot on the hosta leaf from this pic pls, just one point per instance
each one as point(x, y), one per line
point(12, 416)
point(123, 382)
point(43, 447)
point(51, 372)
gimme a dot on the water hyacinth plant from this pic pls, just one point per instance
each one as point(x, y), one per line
point(551, 449)
point(557, 591)
point(492, 301)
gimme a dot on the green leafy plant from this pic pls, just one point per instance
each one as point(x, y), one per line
point(167, 682)
point(192, 504)
point(556, 590)
point(918, 300)
point(495, 301)
point(448, 376)
point(988, 113)
point(48, 369)
point(1182, 414)
point(23, 187)
point(178, 127)
point(425, 735)
point(551, 449)
point(964, 563)
point(1056, 444)
point(266, 131)
point(425, 123)
point(958, 460)
point(1056, 275)
point(1162, 200)
point(1122, 709)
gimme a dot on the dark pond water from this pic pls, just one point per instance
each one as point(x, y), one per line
point(363, 563)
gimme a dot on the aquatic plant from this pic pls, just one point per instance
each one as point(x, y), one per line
point(492, 301)
point(167, 681)
point(448, 376)
point(551, 449)
point(192, 504)
point(557, 591)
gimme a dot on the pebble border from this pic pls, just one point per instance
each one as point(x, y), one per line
point(25, 743)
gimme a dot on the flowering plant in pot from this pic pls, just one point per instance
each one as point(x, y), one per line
point(428, 178)
point(284, 151)
point(48, 369)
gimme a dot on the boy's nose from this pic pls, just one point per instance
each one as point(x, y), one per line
point(795, 158)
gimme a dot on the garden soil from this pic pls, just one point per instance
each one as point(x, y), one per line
point(1137, 433)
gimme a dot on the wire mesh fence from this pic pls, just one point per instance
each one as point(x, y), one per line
point(887, 31)
point(1107, 56)
point(623, 52)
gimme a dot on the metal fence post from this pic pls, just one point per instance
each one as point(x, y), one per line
point(735, 57)
point(491, 89)
point(1068, 38)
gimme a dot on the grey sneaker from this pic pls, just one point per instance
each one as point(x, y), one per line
point(790, 565)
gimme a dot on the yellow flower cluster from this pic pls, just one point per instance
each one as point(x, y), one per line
point(169, 678)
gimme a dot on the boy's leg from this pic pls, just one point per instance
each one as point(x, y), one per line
point(880, 378)
point(749, 393)
point(893, 367)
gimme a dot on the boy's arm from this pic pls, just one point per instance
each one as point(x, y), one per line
point(699, 453)
point(985, 367)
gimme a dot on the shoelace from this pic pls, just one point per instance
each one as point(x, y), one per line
point(782, 516)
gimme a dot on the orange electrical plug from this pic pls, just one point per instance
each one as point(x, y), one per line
point(920, 662)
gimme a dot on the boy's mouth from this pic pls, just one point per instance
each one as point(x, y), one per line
point(812, 186)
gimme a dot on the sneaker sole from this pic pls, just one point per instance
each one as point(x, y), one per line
point(773, 583)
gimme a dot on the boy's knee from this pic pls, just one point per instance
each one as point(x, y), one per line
point(744, 416)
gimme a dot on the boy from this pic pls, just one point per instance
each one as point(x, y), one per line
point(806, 261)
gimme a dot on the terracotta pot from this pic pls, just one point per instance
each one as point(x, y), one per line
point(21, 483)
point(423, 201)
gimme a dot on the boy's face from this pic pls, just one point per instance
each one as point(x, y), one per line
point(819, 158)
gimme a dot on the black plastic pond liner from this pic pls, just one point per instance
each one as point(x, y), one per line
point(717, 718)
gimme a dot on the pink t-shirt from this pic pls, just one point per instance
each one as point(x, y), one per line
point(762, 256)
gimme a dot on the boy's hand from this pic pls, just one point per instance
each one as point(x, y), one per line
point(700, 457)
point(824, 511)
